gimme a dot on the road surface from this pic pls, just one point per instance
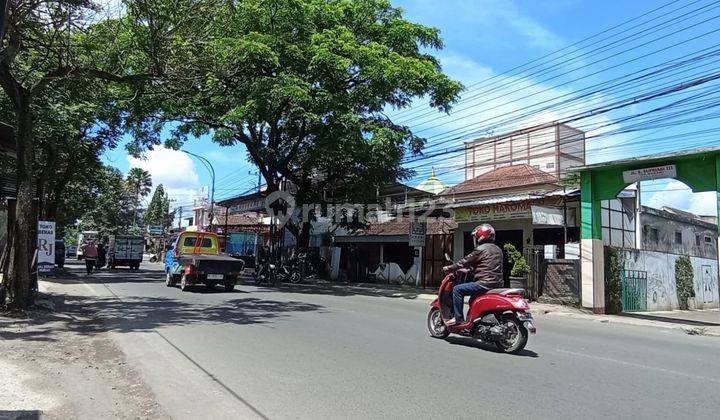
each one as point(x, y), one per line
point(305, 352)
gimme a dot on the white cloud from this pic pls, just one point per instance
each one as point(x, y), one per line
point(173, 169)
point(676, 194)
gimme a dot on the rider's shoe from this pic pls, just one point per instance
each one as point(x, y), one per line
point(453, 321)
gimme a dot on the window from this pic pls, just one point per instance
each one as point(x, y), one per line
point(678, 238)
point(617, 218)
point(550, 165)
point(698, 242)
point(654, 235)
point(190, 241)
point(708, 240)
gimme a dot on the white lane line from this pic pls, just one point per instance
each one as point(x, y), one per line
point(640, 366)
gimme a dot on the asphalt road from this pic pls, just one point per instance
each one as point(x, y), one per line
point(307, 352)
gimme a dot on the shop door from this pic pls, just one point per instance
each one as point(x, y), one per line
point(436, 246)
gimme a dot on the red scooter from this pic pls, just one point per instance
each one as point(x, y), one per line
point(499, 316)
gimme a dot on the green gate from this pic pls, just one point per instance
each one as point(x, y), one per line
point(634, 290)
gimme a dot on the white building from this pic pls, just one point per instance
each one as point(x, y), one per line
point(551, 148)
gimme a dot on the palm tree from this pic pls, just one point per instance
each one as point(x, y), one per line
point(138, 183)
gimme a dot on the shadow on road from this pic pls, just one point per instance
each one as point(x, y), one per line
point(340, 289)
point(471, 342)
point(89, 315)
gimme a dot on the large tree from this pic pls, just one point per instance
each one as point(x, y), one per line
point(303, 85)
point(49, 45)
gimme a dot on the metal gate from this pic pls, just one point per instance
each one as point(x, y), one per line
point(535, 257)
point(634, 290)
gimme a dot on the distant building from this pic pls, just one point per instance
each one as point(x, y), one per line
point(678, 232)
point(527, 206)
point(553, 148)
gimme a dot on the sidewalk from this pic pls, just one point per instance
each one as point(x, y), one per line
point(698, 322)
point(59, 363)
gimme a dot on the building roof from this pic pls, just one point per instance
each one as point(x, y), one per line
point(650, 158)
point(241, 219)
point(680, 216)
point(514, 176)
point(432, 185)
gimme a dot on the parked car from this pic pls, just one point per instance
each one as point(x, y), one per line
point(60, 253)
point(70, 251)
point(125, 250)
point(194, 258)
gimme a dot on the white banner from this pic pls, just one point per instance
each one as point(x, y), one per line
point(46, 247)
point(547, 216)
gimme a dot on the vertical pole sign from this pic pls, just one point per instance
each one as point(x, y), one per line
point(46, 248)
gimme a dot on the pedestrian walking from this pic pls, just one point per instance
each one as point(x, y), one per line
point(90, 253)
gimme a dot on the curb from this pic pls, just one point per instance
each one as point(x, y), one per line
point(686, 328)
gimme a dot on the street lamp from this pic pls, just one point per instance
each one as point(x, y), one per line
point(210, 168)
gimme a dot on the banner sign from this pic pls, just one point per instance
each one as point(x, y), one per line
point(155, 230)
point(256, 204)
point(547, 216)
point(46, 247)
point(658, 172)
point(417, 233)
point(492, 212)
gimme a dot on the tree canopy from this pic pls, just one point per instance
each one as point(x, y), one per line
point(304, 85)
point(158, 211)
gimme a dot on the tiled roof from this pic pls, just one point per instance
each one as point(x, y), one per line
point(401, 226)
point(501, 178)
point(240, 219)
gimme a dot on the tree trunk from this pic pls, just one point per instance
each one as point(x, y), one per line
point(18, 278)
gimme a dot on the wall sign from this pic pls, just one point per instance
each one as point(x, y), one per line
point(542, 215)
point(46, 247)
point(657, 172)
point(417, 233)
point(491, 212)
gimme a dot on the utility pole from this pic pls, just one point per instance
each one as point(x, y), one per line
point(180, 217)
point(210, 168)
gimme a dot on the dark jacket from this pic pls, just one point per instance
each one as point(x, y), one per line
point(486, 261)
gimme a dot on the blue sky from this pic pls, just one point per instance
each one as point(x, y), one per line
point(484, 38)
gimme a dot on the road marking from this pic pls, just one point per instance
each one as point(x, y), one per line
point(641, 366)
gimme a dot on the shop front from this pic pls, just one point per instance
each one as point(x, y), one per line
point(523, 221)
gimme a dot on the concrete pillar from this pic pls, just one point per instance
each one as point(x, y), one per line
point(592, 252)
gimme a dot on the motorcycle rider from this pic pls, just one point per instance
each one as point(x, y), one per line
point(486, 267)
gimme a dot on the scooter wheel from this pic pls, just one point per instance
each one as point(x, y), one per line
point(435, 324)
point(517, 337)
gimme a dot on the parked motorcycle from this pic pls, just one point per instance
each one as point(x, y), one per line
point(266, 272)
point(293, 269)
point(499, 316)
